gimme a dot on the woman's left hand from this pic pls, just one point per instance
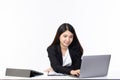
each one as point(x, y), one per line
point(75, 72)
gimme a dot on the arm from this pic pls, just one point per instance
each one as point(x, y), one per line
point(76, 55)
point(55, 62)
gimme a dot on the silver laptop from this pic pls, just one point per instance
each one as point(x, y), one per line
point(94, 66)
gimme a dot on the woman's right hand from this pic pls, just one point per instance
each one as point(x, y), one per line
point(75, 72)
point(49, 69)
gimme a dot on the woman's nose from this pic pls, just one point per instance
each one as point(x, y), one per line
point(68, 39)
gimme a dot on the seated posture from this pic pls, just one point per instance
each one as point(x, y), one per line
point(65, 52)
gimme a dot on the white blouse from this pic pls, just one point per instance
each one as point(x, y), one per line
point(67, 59)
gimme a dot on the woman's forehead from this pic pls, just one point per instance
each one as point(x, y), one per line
point(67, 32)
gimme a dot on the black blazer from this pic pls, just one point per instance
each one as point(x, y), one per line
point(55, 57)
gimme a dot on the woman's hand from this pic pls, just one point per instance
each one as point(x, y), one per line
point(49, 69)
point(75, 72)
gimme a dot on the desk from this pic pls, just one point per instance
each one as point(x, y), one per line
point(49, 77)
point(111, 75)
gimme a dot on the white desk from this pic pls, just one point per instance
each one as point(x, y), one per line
point(48, 77)
point(111, 75)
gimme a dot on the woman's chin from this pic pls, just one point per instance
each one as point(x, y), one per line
point(66, 45)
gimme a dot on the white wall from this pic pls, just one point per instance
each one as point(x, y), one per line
point(27, 28)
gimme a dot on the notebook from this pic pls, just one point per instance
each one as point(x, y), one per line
point(53, 73)
point(22, 72)
point(94, 66)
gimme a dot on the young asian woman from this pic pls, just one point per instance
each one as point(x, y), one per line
point(65, 52)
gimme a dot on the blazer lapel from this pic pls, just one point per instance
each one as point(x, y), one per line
point(71, 53)
point(60, 54)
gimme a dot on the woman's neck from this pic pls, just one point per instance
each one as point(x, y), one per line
point(63, 50)
point(63, 47)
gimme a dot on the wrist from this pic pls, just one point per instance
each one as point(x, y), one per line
point(71, 72)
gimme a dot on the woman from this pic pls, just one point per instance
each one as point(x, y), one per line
point(65, 52)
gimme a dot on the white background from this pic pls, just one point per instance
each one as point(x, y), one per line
point(28, 27)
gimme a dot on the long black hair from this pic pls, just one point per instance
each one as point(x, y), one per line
point(75, 42)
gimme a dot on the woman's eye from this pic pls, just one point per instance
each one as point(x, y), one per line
point(71, 36)
point(65, 36)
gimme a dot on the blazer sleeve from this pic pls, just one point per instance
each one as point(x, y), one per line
point(76, 57)
point(55, 63)
point(77, 61)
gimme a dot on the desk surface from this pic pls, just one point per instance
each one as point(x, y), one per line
point(111, 75)
point(49, 77)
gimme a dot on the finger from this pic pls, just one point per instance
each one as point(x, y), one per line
point(77, 73)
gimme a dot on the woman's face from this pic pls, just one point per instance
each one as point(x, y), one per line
point(66, 38)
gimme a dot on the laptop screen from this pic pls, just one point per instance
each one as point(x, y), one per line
point(94, 65)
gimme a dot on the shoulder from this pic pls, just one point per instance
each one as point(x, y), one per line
point(75, 47)
point(52, 47)
point(76, 50)
point(53, 50)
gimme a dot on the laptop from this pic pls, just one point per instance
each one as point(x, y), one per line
point(94, 66)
